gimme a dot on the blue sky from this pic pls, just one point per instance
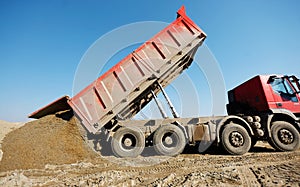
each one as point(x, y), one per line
point(42, 42)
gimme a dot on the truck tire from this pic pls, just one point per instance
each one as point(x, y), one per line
point(128, 142)
point(169, 140)
point(235, 139)
point(284, 136)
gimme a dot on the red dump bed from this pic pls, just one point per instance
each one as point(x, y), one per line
point(126, 88)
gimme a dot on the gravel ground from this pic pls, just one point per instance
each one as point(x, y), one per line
point(51, 152)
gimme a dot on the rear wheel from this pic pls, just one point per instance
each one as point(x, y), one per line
point(169, 140)
point(128, 142)
point(235, 139)
point(284, 136)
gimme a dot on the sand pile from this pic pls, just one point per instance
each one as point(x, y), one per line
point(49, 140)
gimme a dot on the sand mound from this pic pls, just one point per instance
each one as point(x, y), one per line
point(49, 140)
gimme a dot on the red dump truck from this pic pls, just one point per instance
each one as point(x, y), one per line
point(105, 107)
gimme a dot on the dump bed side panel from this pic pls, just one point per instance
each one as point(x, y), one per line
point(161, 58)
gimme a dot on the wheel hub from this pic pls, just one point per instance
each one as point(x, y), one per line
point(128, 142)
point(236, 139)
point(286, 136)
point(168, 140)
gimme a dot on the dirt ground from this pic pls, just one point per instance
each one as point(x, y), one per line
point(51, 152)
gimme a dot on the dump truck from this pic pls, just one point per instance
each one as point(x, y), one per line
point(106, 107)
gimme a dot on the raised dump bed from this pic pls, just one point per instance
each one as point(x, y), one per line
point(127, 87)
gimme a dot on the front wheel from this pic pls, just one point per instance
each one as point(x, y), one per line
point(128, 142)
point(284, 136)
point(235, 139)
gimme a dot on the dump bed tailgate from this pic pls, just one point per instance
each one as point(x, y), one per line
point(57, 105)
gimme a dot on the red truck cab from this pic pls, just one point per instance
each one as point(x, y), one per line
point(265, 92)
point(274, 101)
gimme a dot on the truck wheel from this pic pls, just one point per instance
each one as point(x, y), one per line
point(235, 139)
point(128, 142)
point(169, 140)
point(284, 136)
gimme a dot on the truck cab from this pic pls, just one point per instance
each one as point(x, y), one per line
point(265, 92)
point(275, 101)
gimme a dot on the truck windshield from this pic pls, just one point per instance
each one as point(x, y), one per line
point(283, 88)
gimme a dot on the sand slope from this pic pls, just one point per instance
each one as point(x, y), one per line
point(49, 140)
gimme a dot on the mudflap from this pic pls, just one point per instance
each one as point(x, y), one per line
point(60, 104)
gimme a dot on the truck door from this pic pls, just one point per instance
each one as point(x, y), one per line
point(285, 94)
